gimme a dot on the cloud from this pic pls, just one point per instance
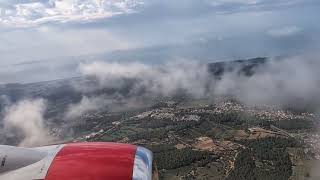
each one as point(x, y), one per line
point(26, 117)
point(28, 13)
point(32, 13)
point(58, 44)
point(86, 105)
point(134, 85)
point(284, 31)
point(177, 23)
point(289, 82)
point(106, 102)
point(163, 80)
point(242, 2)
point(246, 5)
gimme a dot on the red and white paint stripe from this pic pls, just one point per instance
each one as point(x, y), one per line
point(76, 161)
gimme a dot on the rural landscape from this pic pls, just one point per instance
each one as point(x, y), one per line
point(213, 137)
point(159, 89)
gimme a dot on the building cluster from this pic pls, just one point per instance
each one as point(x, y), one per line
point(194, 113)
point(313, 142)
point(168, 114)
point(267, 113)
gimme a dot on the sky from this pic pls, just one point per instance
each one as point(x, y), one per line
point(46, 39)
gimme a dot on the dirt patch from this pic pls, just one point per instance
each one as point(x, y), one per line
point(258, 133)
point(219, 147)
point(180, 146)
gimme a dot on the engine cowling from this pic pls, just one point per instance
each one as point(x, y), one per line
point(77, 161)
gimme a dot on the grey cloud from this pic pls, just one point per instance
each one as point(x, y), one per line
point(291, 81)
point(48, 43)
point(284, 31)
point(288, 82)
point(166, 30)
point(27, 117)
point(158, 80)
point(136, 85)
point(86, 105)
point(111, 103)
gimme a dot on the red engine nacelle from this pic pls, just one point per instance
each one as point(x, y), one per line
point(77, 161)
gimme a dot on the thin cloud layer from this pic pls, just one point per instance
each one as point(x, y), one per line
point(31, 13)
point(163, 80)
point(284, 31)
point(86, 105)
point(234, 5)
point(277, 83)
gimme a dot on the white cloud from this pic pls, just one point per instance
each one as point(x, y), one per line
point(284, 31)
point(33, 13)
point(86, 105)
point(162, 80)
point(243, 2)
point(275, 83)
point(28, 117)
point(28, 13)
point(255, 4)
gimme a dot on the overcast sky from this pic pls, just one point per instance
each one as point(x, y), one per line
point(65, 31)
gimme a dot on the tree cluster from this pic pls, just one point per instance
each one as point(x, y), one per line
point(264, 159)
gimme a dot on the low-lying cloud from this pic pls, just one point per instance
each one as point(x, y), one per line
point(105, 103)
point(27, 117)
point(292, 81)
point(289, 82)
point(86, 105)
point(162, 80)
